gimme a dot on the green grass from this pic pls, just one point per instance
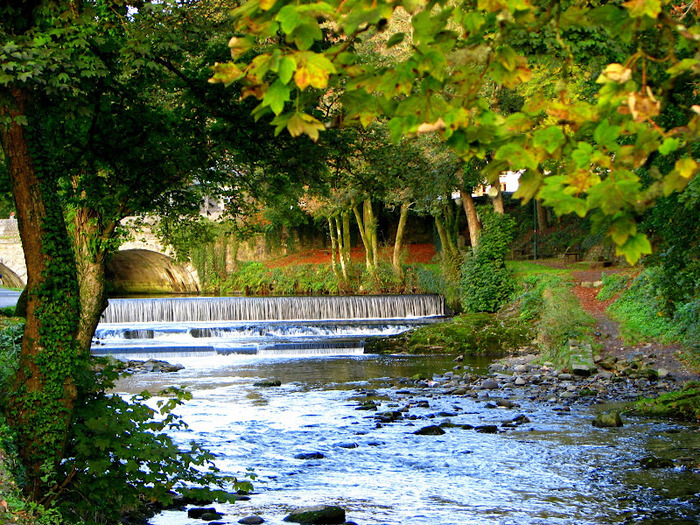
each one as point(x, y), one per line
point(640, 313)
point(467, 334)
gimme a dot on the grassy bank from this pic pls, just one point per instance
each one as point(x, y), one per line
point(543, 316)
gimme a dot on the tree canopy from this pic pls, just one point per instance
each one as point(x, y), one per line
point(605, 88)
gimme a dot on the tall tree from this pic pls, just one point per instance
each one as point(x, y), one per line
point(105, 111)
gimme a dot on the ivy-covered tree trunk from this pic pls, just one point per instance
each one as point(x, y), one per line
point(90, 244)
point(345, 217)
point(450, 253)
point(398, 242)
point(337, 223)
point(371, 225)
point(45, 389)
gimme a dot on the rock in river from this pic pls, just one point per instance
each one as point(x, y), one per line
point(608, 420)
point(251, 520)
point(309, 455)
point(320, 515)
point(431, 430)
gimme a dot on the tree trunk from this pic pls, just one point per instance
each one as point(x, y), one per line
point(45, 390)
point(398, 242)
point(341, 248)
point(371, 226)
point(363, 236)
point(473, 221)
point(449, 257)
point(497, 198)
point(367, 225)
point(334, 247)
point(345, 216)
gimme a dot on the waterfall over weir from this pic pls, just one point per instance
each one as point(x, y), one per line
point(260, 326)
point(191, 309)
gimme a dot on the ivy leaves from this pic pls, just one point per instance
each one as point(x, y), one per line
point(449, 62)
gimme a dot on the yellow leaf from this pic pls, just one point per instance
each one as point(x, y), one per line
point(687, 168)
point(313, 70)
point(225, 73)
point(303, 124)
point(302, 77)
point(638, 8)
point(615, 73)
point(266, 5)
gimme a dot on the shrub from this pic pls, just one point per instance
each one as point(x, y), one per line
point(486, 281)
point(548, 302)
point(687, 317)
point(10, 344)
point(119, 457)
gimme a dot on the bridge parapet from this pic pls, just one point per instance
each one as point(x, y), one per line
point(9, 231)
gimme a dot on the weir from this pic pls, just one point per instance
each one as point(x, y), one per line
point(194, 309)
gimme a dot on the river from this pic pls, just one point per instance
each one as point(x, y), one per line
point(554, 469)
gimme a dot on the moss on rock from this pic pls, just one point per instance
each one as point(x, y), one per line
point(683, 404)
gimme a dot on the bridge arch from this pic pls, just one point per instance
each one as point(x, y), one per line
point(141, 271)
point(10, 279)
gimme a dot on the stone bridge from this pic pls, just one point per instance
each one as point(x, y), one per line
point(142, 265)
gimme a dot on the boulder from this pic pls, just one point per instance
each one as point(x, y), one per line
point(319, 515)
point(650, 462)
point(267, 384)
point(197, 512)
point(309, 455)
point(251, 520)
point(608, 420)
point(486, 429)
point(389, 416)
point(431, 430)
point(489, 384)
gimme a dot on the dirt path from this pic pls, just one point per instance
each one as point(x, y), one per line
point(608, 336)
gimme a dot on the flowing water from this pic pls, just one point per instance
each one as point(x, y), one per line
point(554, 469)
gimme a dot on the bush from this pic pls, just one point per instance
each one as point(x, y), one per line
point(687, 317)
point(467, 334)
point(10, 344)
point(562, 320)
point(119, 457)
point(486, 282)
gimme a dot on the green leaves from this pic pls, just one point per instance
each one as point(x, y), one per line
point(606, 135)
point(275, 97)
point(448, 74)
point(550, 139)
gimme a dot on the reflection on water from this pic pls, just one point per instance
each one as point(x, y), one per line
point(555, 469)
